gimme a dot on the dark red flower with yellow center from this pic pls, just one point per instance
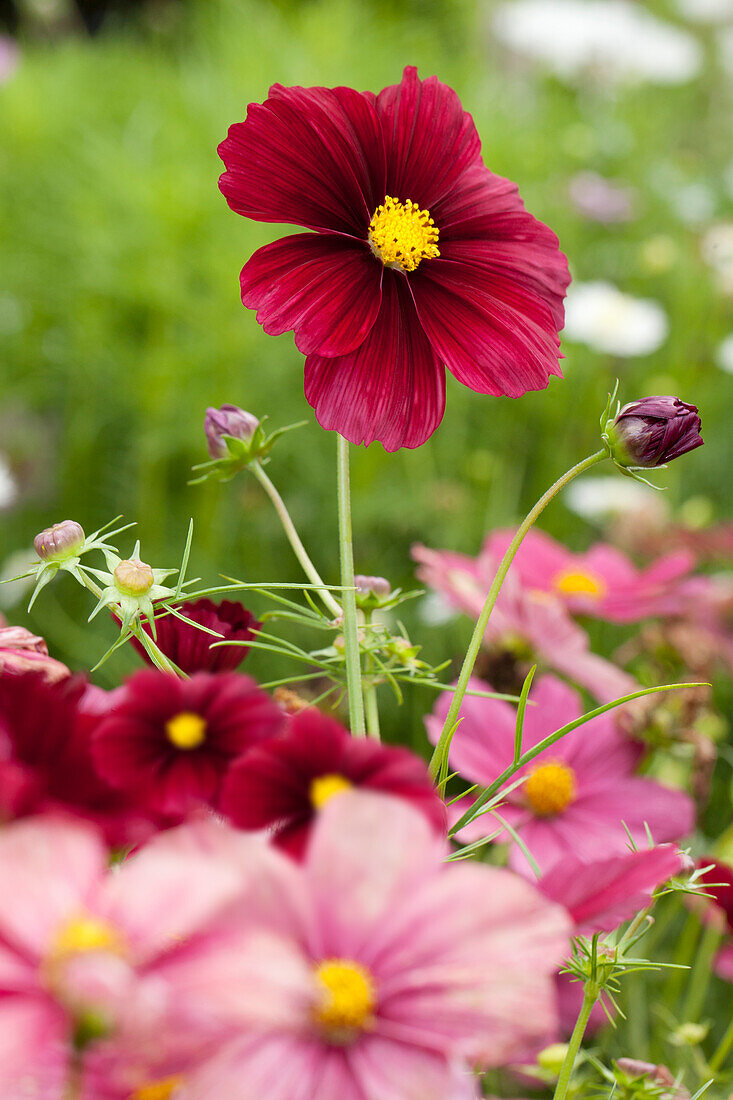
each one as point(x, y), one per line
point(283, 783)
point(419, 256)
point(170, 741)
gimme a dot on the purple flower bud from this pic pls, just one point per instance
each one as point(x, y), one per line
point(59, 542)
point(653, 431)
point(365, 584)
point(228, 420)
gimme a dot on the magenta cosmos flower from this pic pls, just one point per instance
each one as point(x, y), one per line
point(602, 582)
point(191, 649)
point(577, 796)
point(284, 783)
point(169, 742)
point(526, 625)
point(85, 952)
point(375, 969)
point(418, 257)
point(718, 884)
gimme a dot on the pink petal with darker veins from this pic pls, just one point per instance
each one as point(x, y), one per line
point(306, 156)
point(325, 287)
point(392, 388)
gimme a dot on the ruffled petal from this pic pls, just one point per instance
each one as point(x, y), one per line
point(326, 288)
point(430, 140)
point(491, 334)
point(306, 156)
point(392, 388)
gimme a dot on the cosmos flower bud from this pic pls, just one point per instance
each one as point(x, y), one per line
point(60, 541)
point(365, 584)
point(229, 420)
point(653, 431)
point(133, 577)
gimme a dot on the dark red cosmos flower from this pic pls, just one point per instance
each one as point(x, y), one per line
point(45, 756)
point(171, 741)
point(282, 784)
point(190, 648)
point(421, 257)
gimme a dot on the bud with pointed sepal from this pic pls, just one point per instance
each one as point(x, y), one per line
point(651, 432)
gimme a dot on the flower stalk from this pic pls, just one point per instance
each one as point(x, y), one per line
point(591, 993)
point(346, 556)
point(483, 620)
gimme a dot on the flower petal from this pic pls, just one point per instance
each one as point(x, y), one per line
point(391, 388)
point(325, 287)
point(306, 156)
point(430, 140)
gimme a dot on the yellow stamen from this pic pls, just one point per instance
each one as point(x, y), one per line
point(85, 934)
point(347, 999)
point(158, 1090)
point(324, 787)
point(186, 730)
point(402, 235)
point(574, 582)
point(550, 789)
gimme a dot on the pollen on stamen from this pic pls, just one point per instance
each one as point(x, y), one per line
point(402, 235)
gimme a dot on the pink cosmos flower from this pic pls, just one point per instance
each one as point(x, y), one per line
point(375, 969)
point(718, 884)
point(603, 582)
point(84, 952)
point(419, 257)
point(525, 622)
point(285, 782)
point(170, 742)
point(577, 795)
point(21, 651)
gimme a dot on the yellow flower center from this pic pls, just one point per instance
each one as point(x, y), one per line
point(84, 934)
point(158, 1090)
point(402, 235)
point(324, 787)
point(572, 582)
point(186, 730)
point(347, 999)
point(550, 789)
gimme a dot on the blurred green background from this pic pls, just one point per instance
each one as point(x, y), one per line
point(120, 318)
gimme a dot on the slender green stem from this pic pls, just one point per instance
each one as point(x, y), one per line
point(701, 973)
point(483, 620)
point(294, 539)
point(346, 555)
point(590, 996)
point(369, 687)
point(723, 1050)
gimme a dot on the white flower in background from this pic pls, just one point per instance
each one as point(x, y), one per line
point(601, 498)
point(600, 315)
point(8, 486)
point(724, 354)
point(725, 45)
point(706, 11)
point(717, 250)
point(434, 610)
point(616, 40)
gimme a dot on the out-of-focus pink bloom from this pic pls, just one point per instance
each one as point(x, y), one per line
point(600, 894)
point(374, 968)
point(706, 616)
point(718, 884)
point(603, 582)
point(86, 948)
point(577, 795)
point(569, 1002)
point(8, 58)
point(536, 620)
point(21, 651)
point(600, 199)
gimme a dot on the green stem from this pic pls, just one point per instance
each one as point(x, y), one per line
point(346, 556)
point(590, 996)
point(369, 687)
point(701, 972)
point(294, 539)
point(483, 620)
point(723, 1050)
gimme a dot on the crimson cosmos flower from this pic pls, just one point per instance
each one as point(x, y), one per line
point(190, 648)
point(283, 783)
point(171, 741)
point(420, 258)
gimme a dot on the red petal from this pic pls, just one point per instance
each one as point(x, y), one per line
point(326, 288)
point(490, 333)
point(429, 138)
point(306, 156)
point(392, 388)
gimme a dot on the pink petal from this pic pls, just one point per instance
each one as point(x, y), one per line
point(387, 1070)
point(306, 156)
point(670, 814)
point(324, 287)
point(392, 388)
point(34, 1049)
point(724, 963)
